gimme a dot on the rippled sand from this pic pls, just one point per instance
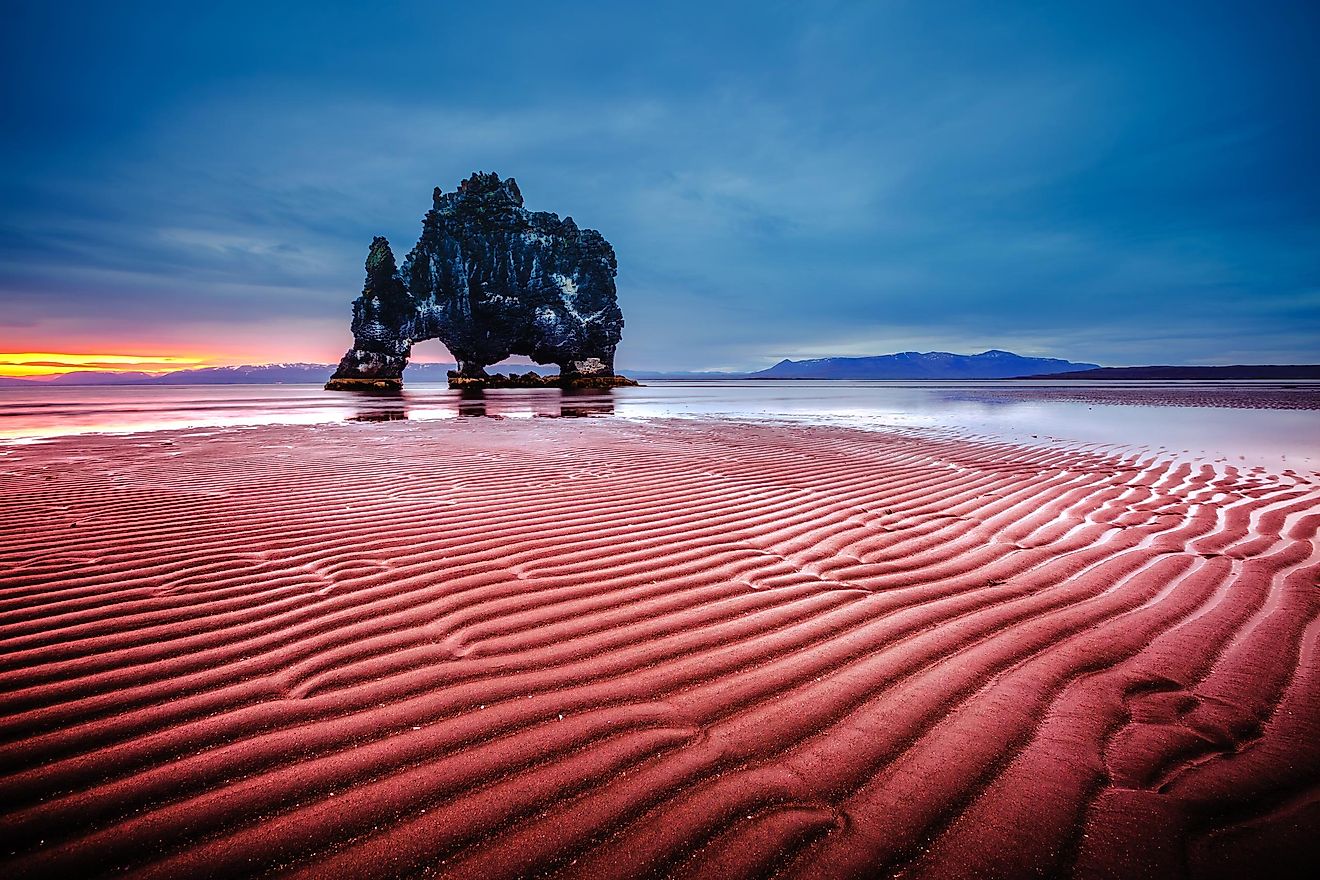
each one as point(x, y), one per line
point(604, 648)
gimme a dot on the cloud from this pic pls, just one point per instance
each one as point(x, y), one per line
point(813, 179)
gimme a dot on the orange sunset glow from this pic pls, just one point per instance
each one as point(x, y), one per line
point(49, 364)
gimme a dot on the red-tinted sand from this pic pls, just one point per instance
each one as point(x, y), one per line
point(600, 649)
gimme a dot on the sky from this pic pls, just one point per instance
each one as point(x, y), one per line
point(1120, 183)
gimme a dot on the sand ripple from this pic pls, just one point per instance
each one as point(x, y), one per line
point(689, 649)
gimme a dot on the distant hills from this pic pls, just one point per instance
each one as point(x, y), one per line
point(1237, 371)
point(291, 374)
point(907, 365)
point(993, 364)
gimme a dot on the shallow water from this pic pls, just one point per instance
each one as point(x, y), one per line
point(1270, 424)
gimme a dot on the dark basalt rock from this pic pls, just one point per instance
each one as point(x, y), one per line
point(489, 279)
point(536, 380)
point(380, 316)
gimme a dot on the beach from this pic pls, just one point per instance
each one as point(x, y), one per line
point(688, 647)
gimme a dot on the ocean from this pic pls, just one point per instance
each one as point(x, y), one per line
point(1275, 425)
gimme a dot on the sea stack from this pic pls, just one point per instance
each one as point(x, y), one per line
point(489, 279)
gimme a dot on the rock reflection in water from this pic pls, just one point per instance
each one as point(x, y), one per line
point(550, 403)
point(472, 403)
point(576, 403)
point(379, 407)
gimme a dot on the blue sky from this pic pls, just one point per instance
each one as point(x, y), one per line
point(1118, 183)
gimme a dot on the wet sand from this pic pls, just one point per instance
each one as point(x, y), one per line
point(690, 648)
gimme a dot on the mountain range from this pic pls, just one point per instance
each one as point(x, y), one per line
point(907, 365)
point(993, 364)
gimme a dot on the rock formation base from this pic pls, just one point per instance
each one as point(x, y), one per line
point(368, 385)
point(535, 380)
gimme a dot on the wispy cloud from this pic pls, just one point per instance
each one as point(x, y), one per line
point(818, 178)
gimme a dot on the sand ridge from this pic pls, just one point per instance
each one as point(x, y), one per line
point(690, 648)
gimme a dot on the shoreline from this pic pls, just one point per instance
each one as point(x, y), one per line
point(1271, 437)
point(490, 646)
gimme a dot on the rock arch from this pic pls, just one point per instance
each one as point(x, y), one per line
point(489, 279)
